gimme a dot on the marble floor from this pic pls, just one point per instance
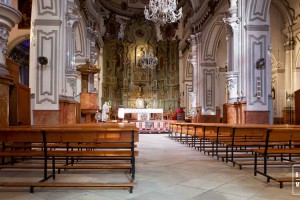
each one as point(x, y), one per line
point(166, 170)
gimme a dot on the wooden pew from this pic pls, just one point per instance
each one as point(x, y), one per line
point(25, 135)
point(283, 135)
point(116, 141)
point(253, 136)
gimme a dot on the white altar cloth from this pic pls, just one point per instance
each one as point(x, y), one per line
point(143, 113)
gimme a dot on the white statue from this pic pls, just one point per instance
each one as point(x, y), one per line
point(105, 109)
point(140, 103)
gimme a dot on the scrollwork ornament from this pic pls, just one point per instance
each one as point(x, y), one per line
point(233, 11)
point(3, 40)
point(290, 43)
point(233, 22)
point(231, 83)
point(193, 60)
point(195, 39)
point(72, 17)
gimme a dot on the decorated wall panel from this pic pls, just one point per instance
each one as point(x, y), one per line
point(46, 77)
point(258, 74)
point(209, 92)
point(48, 7)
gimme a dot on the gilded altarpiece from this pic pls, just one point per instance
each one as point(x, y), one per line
point(124, 80)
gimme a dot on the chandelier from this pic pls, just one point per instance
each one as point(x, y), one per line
point(148, 60)
point(163, 11)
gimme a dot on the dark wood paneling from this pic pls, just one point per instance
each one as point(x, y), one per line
point(19, 105)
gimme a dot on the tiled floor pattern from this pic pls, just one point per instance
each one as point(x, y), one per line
point(166, 170)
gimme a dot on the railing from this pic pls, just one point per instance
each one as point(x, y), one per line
point(152, 126)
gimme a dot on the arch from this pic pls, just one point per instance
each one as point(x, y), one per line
point(20, 54)
point(213, 37)
point(257, 11)
point(17, 41)
point(283, 6)
point(80, 38)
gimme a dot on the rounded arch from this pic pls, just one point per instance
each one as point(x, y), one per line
point(16, 41)
point(257, 11)
point(213, 36)
point(80, 33)
point(20, 54)
point(283, 8)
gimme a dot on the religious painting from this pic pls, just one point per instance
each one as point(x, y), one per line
point(25, 9)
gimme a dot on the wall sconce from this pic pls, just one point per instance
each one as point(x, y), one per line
point(42, 60)
point(260, 63)
point(273, 92)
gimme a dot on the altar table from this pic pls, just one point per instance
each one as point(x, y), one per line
point(143, 113)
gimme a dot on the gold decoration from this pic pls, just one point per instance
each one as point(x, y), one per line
point(87, 68)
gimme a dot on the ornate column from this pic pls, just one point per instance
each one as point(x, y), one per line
point(194, 59)
point(290, 73)
point(70, 72)
point(232, 86)
point(100, 76)
point(8, 18)
point(233, 71)
point(3, 48)
point(91, 34)
point(289, 50)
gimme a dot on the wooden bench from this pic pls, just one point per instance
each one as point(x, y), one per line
point(23, 135)
point(290, 135)
point(113, 142)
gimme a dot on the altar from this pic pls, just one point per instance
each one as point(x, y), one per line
point(142, 113)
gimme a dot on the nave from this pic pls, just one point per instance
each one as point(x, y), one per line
point(167, 170)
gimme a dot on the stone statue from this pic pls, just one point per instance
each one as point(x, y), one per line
point(105, 109)
point(140, 102)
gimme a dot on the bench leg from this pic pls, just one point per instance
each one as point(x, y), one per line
point(31, 189)
point(226, 153)
point(53, 167)
point(130, 190)
point(255, 164)
point(212, 149)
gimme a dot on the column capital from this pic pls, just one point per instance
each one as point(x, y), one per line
point(71, 18)
point(91, 32)
point(195, 38)
point(193, 60)
point(233, 11)
point(289, 43)
point(233, 22)
point(3, 39)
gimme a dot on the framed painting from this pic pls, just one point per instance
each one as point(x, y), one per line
point(25, 9)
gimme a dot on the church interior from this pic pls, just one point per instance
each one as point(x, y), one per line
point(218, 76)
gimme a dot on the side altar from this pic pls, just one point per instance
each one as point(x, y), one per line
point(142, 113)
